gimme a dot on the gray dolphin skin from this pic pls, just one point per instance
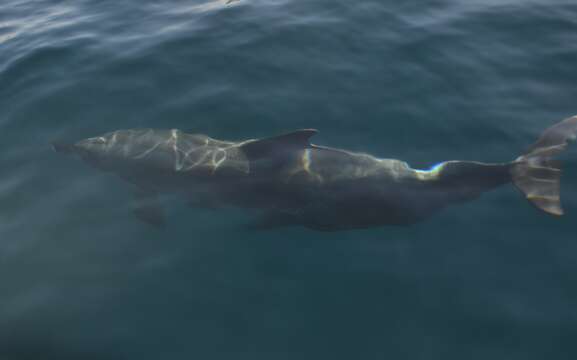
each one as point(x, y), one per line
point(293, 182)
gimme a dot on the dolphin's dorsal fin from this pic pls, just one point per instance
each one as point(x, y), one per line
point(295, 140)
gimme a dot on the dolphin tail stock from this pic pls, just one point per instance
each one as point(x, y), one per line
point(537, 174)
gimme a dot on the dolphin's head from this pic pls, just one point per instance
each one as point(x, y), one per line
point(94, 150)
point(94, 146)
point(98, 151)
point(119, 148)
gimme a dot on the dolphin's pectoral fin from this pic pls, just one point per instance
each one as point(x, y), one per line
point(203, 202)
point(147, 208)
point(295, 140)
point(272, 220)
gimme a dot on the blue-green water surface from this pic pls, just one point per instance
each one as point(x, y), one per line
point(422, 81)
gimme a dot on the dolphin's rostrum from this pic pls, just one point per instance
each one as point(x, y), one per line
point(294, 182)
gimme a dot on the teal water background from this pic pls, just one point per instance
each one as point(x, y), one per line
point(421, 81)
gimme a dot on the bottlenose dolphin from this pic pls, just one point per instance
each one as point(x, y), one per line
point(294, 182)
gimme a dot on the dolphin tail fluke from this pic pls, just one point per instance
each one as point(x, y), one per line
point(537, 174)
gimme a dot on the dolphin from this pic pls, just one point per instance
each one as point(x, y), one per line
point(294, 182)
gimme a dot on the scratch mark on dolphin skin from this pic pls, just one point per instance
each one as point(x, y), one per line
point(199, 161)
point(173, 142)
point(304, 165)
point(185, 152)
point(112, 142)
point(216, 163)
point(430, 174)
point(147, 151)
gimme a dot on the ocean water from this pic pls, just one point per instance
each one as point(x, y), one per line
point(421, 81)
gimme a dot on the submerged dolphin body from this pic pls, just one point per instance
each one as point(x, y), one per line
point(297, 183)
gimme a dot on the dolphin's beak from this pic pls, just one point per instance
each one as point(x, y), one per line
point(63, 147)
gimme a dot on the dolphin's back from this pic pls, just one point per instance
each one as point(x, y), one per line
point(174, 151)
point(324, 165)
point(338, 165)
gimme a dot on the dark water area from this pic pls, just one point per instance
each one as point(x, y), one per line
point(420, 81)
